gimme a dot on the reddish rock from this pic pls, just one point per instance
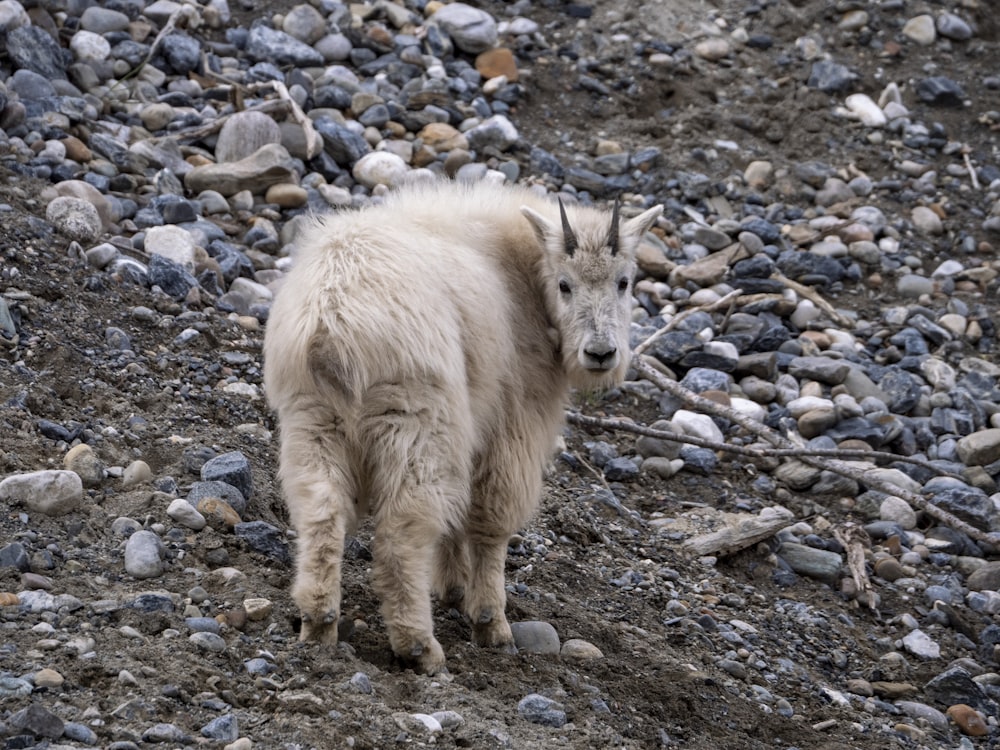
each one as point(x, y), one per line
point(498, 61)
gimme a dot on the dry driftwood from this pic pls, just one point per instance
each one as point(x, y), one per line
point(829, 464)
point(751, 451)
point(854, 539)
point(740, 532)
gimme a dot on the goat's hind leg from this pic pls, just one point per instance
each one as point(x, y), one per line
point(320, 498)
point(419, 488)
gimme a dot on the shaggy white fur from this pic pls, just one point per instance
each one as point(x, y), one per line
point(418, 357)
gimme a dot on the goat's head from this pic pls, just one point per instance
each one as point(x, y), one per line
point(590, 264)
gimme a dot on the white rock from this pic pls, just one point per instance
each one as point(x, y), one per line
point(918, 643)
point(799, 406)
point(181, 511)
point(75, 217)
point(939, 374)
point(750, 409)
point(12, 16)
point(172, 242)
point(52, 492)
point(87, 46)
point(896, 509)
point(696, 425)
point(380, 168)
point(920, 29)
point(926, 220)
point(867, 111)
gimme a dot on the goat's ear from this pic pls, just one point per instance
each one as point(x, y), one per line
point(542, 226)
point(635, 228)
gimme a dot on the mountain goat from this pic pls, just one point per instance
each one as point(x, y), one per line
point(418, 356)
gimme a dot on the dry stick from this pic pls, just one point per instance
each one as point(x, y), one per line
point(811, 295)
point(612, 423)
point(676, 319)
point(839, 467)
point(852, 539)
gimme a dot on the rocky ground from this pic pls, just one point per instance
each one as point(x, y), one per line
point(835, 162)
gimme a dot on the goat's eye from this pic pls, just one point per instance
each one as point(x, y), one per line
point(622, 285)
point(564, 286)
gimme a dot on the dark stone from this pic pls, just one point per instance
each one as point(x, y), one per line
point(768, 232)
point(345, 146)
point(955, 685)
point(170, 276)
point(621, 469)
point(699, 460)
point(178, 212)
point(14, 556)
point(808, 267)
point(224, 728)
point(940, 91)
point(150, 602)
point(265, 44)
point(37, 720)
point(903, 390)
point(956, 543)
point(970, 505)
point(264, 538)
point(182, 52)
point(33, 48)
point(232, 468)
point(674, 345)
point(830, 77)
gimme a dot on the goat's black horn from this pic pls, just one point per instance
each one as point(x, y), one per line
point(613, 233)
point(568, 237)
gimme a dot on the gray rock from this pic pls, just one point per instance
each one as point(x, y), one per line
point(265, 44)
point(497, 131)
point(473, 30)
point(267, 166)
point(182, 52)
point(980, 448)
point(243, 134)
point(954, 27)
point(223, 728)
point(342, 144)
point(541, 710)
point(144, 553)
point(955, 685)
point(535, 637)
point(218, 489)
point(824, 369)
point(166, 733)
point(305, 23)
point(831, 77)
point(37, 720)
point(102, 20)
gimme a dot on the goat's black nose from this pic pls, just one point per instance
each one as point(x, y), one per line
point(602, 355)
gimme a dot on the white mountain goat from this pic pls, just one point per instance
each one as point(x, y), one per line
point(418, 357)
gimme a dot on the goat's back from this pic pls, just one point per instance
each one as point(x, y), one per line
point(439, 284)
